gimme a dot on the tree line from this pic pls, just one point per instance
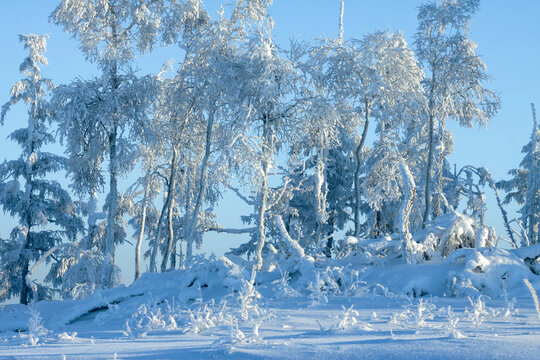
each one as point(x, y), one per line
point(235, 114)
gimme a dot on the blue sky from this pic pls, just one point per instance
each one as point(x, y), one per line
point(507, 34)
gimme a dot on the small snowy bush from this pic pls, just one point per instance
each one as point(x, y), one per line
point(36, 330)
point(347, 318)
point(422, 312)
point(205, 317)
point(478, 314)
point(451, 327)
point(152, 316)
point(282, 287)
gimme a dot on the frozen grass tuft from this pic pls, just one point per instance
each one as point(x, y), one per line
point(451, 327)
point(478, 313)
point(534, 296)
point(348, 318)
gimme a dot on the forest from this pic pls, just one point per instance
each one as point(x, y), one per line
point(339, 146)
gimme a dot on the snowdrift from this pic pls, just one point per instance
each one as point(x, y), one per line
point(447, 265)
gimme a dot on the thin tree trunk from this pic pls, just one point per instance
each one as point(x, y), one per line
point(107, 280)
point(187, 218)
point(427, 193)
point(153, 254)
point(143, 225)
point(437, 197)
point(503, 212)
point(263, 193)
point(320, 194)
point(27, 220)
point(170, 206)
point(358, 158)
point(112, 204)
point(194, 217)
point(405, 214)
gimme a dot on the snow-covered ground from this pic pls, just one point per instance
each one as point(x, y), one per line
point(375, 327)
point(211, 311)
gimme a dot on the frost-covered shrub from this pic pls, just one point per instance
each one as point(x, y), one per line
point(445, 234)
point(206, 316)
point(347, 318)
point(217, 277)
point(36, 331)
point(152, 316)
point(422, 312)
point(377, 251)
point(282, 288)
point(317, 291)
point(334, 281)
point(493, 272)
point(343, 281)
point(478, 313)
point(415, 314)
point(81, 273)
point(440, 238)
point(344, 247)
point(250, 312)
point(451, 327)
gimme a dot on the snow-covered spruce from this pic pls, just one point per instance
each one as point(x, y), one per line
point(26, 192)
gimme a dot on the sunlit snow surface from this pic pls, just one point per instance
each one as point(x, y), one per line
point(376, 327)
point(301, 309)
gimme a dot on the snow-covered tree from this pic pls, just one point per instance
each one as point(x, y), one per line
point(524, 187)
point(45, 212)
point(378, 79)
point(271, 122)
point(143, 211)
point(207, 97)
point(101, 117)
point(321, 128)
point(454, 84)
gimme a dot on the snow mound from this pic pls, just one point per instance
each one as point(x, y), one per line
point(493, 272)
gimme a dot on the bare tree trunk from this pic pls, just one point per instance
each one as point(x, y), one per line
point(25, 263)
point(107, 279)
point(406, 208)
point(112, 205)
point(321, 190)
point(431, 152)
point(187, 218)
point(437, 196)
point(143, 225)
point(505, 216)
point(153, 253)
point(267, 150)
point(24, 260)
point(170, 206)
point(358, 158)
point(194, 217)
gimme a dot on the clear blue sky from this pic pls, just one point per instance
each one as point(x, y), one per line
point(507, 34)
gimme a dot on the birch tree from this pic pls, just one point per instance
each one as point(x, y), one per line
point(271, 120)
point(375, 79)
point(99, 118)
point(454, 84)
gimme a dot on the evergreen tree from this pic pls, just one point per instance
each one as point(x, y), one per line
point(45, 212)
point(524, 187)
